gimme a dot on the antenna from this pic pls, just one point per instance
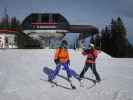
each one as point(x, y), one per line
point(5, 13)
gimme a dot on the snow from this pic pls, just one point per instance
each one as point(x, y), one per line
point(22, 77)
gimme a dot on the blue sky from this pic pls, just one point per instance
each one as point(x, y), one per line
point(94, 12)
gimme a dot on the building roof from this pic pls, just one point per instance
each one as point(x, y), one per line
point(45, 19)
point(50, 21)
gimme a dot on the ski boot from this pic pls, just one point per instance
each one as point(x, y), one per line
point(72, 86)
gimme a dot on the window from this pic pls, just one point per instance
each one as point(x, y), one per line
point(34, 18)
point(6, 41)
point(59, 19)
point(45, 18)
point(56, 18)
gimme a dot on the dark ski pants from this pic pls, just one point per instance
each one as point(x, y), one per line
point(70, 72)
point(93, 68)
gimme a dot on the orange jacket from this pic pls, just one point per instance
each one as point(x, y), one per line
point(62, 55)
point(91, 56)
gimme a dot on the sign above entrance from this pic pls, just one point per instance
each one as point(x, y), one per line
point(44, 25)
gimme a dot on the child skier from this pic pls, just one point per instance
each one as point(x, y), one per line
point(62, 59)
point(90, 62)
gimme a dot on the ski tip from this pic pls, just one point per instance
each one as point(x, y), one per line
point(73, 87)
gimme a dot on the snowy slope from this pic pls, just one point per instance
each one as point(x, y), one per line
point(21, 74)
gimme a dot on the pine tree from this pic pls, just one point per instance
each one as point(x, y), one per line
point(5, 21)
point(15, 24)
point(106, 40)
point(114, 39)
point(119, 38)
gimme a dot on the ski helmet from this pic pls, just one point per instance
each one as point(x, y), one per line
point(64, 44)
point(91, 45)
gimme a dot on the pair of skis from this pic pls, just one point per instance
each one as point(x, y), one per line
point(95, 82)
point(53, 84)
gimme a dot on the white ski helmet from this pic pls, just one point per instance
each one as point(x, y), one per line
point(91, 45)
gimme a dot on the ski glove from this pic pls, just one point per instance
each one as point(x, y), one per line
point(68, 62)
point(57, 61)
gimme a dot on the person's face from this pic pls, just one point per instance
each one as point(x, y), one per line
point(64, 46)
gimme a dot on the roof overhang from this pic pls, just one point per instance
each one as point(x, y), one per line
point(83, 29)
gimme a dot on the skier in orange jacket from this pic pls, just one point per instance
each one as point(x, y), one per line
point(61, 55)
point(62, 59)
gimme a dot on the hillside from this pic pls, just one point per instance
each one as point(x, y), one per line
point(22, 77)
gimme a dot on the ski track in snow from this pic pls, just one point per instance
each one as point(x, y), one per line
point(21, 71)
